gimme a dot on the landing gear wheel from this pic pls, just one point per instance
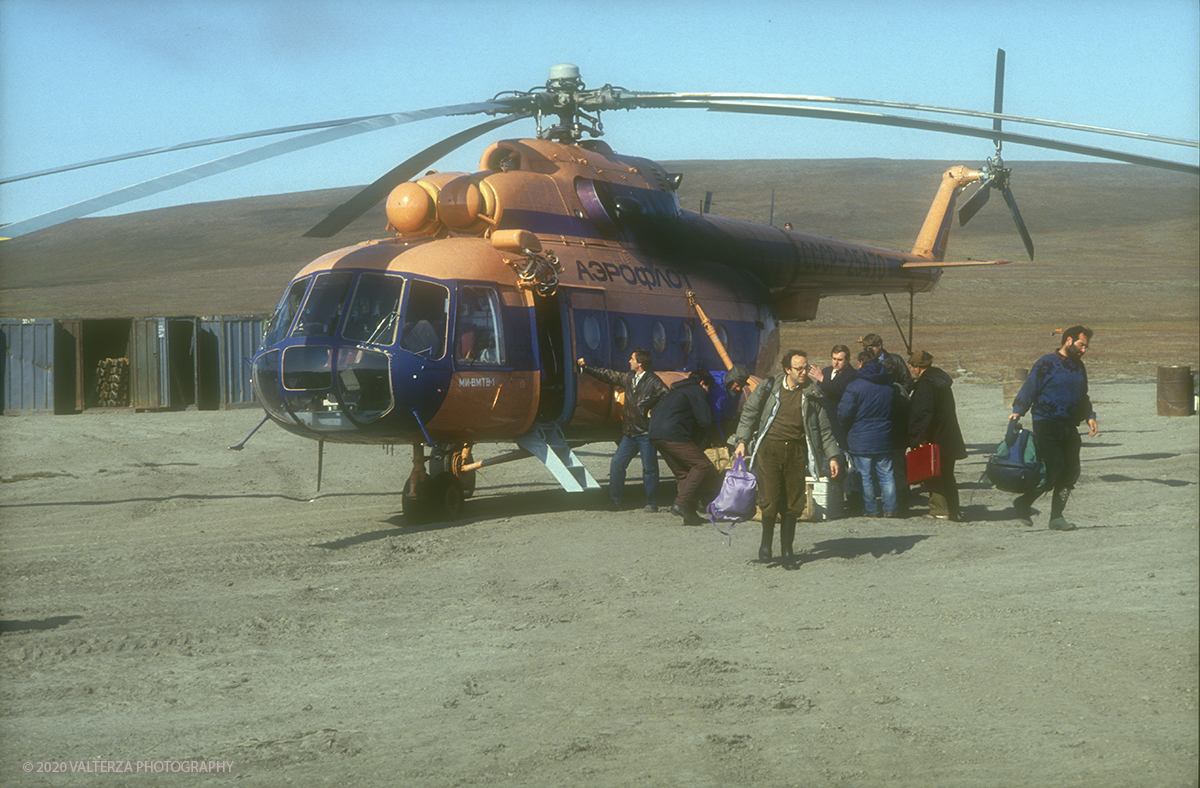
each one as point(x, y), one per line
point(446, 497)
point(417, 511)
point(467, 479)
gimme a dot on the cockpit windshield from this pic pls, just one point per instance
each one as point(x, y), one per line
point(281, 321)
point(374, 310)
point(323, 308)
point(425, 318)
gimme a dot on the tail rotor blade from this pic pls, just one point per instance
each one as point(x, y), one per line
point(1012, 206)
point(974, 202)
point(356, 206)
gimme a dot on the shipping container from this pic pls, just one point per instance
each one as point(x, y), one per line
point(28, 347)
point(225, 349)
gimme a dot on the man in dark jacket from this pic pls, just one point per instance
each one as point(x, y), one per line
point(1056, 395)
point(892, 362)
point(898, 370)
point(643, 389)
point(867, 414)
point(681, 426)
point(833, 379)
point(932, 418)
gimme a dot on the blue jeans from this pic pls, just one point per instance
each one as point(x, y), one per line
point(626, 449)
point(876, 471)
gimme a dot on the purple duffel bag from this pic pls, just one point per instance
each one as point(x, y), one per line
point(736, 500)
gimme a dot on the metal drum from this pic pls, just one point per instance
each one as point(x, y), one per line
point(1013, 380)
point(1175, 391)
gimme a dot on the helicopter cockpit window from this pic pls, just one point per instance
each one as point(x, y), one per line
point(281, 321)
point(425, 317)
point(477, 329)
point(323, 308)
point(374, 310)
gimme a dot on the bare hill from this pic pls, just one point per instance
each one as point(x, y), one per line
point(1117, 247)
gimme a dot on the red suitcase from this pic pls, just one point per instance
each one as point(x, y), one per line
point(924, 462)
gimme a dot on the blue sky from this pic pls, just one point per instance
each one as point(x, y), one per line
point(81, 79)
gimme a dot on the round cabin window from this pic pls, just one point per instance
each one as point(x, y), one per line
point(685, 339)
point(620, 334)
point(591, 332)
point(659, 336)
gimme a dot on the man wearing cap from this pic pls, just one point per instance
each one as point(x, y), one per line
point(892, 362)
point(932, 418)
point(1056, 394)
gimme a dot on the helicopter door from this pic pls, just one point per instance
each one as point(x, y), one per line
point(591, 339)
point(551, 326)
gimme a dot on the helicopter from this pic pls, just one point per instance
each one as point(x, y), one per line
point(462, 325)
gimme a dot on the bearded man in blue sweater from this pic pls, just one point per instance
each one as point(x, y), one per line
point(1056, 394)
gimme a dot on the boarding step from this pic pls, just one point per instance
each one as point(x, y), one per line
point(546, 442)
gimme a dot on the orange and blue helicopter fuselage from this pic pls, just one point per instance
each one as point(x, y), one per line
point(464, 326)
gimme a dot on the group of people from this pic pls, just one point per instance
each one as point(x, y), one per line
point(851, 424)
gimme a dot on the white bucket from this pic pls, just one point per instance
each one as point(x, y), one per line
point(829, 498)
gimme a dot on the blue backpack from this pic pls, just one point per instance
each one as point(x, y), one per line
point(1015, 467)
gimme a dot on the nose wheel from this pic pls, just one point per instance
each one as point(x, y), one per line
point(433, 500)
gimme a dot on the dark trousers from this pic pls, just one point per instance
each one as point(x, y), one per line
point(943, 492)
point(779, 469)
point(629, 446)
point(693, 471)
point(1058, 447)
point(900, 477)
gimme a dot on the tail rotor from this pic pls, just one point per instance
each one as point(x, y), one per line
point(994, 174)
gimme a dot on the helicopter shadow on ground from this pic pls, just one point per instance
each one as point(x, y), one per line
point(849, 547)
point(485, 509)
point(1154, 455)
point(1116, 477)
point(192, 497)
point(37, 624)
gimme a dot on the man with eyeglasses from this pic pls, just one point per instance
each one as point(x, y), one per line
point(784, 422)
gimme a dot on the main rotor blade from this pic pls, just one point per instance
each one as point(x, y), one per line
point(362, 202)
point(975, 202)
point(671, 100)
point(1012, 206)
point(216, 166)
point(998, 106)
point(939, 126)
point(184, 146)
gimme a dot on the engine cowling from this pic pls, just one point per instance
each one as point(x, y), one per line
point(412, 207)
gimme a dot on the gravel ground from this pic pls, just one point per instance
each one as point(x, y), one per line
point(167, 601)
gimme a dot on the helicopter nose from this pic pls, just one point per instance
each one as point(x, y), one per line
point(346, 389)
point(323, 387)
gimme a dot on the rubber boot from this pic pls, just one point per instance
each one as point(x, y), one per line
point(768, 537)
point(1057, 504)
point(787, 534)
point(1023, 505)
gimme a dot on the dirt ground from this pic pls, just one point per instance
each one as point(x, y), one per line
point(167, 600)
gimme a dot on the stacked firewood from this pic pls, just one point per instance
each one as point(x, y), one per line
point(112, 382)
